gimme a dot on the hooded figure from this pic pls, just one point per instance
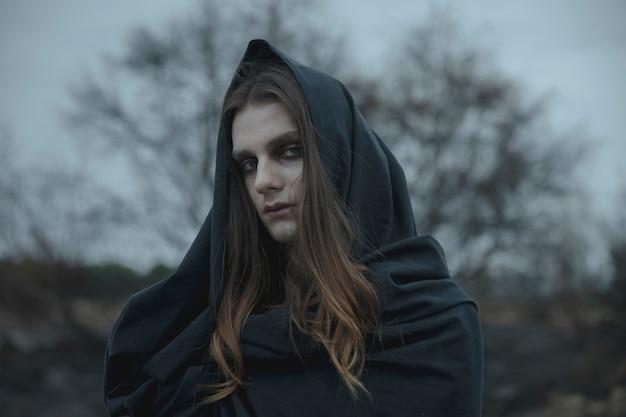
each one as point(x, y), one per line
point(307, 291)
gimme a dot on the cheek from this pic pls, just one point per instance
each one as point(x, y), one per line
point(250, 188)
point(296, 181)
point(296, 172)
point(249, 181)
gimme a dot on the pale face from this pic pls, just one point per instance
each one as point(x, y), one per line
point(266, 146)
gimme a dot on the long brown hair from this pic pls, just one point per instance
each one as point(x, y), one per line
point(315, 273)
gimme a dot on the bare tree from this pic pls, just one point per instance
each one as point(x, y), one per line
point(52, 221)
point(158, 105)
point(50, 213)
point(486, 174)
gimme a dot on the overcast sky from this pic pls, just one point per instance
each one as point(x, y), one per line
point(574, 50)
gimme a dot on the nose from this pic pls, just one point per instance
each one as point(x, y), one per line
point(267, 178)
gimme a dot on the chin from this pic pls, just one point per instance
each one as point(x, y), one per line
point(283, 233)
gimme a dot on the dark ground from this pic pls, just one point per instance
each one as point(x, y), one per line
point(532, 370)
point(63, 380)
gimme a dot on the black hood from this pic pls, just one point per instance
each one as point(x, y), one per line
point(429, 351)
point(362, 169)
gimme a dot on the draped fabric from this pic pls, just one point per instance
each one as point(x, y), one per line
point(426, 360)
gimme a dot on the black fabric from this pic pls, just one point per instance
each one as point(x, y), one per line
point(426, 361)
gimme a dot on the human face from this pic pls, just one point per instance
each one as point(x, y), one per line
point(266, 146)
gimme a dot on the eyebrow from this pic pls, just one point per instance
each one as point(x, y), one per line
point(274, 143)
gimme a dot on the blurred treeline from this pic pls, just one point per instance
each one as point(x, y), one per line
point(489, 177)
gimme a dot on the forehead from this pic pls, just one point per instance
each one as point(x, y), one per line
point(258, 123)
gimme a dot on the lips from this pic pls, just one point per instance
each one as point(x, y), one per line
point(277, 209)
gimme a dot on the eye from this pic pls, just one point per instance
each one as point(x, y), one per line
point(292, 151)
point(248, 165)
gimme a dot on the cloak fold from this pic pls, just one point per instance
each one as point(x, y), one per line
point(427, 359)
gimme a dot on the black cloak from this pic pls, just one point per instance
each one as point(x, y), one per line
point(426, 361)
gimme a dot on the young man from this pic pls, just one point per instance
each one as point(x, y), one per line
point(307, 292)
